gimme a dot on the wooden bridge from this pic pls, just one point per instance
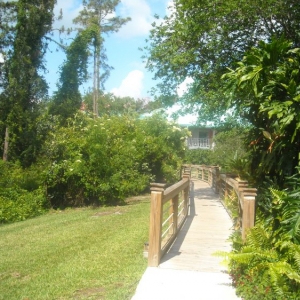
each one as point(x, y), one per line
point(188, 224)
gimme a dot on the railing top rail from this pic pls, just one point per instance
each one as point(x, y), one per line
point(199, 166)
point(175, 189)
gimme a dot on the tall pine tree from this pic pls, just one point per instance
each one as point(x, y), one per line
point(99, 15)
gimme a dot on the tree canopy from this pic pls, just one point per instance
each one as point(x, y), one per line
point(25, 45)
point(201, 39)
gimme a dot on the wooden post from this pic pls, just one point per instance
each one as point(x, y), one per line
point(154, 254)
point(248, 219)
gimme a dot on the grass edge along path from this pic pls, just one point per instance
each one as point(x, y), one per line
point(75, 254)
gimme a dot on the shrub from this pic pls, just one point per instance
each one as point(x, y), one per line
point(19, 205)
point(267, 264)
point(105, 160)
point(199, 157)
point(21, 196)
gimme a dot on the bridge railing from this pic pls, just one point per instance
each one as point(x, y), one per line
point(169, 209)
point(226, 185)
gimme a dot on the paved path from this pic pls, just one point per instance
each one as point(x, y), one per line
point(189, 270)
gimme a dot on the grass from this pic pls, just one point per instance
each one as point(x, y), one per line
point(75, 254)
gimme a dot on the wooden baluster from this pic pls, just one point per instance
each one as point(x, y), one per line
point(217, 179)
point(174, 211)
point(186, 193)
point(154, 254)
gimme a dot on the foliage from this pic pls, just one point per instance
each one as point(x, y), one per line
point(111, 105)
point(267, 264)
point(264, 269)
point(21, 193)
point(230, 148)
point(198, 157)
point(200, 39)
point(99, 17)
point(24, 86)
point(67, 99)
point(107, 159)
point(232, 205)
point(265, 87)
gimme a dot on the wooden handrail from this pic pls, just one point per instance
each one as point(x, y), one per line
point(173, 217)
point(223, 184)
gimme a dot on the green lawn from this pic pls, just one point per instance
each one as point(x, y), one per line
point(75, 254)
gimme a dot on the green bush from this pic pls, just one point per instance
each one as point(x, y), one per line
point(199, 157)
point(19, 205)
point(20, 194)
point(107, 159)
point(267, 264)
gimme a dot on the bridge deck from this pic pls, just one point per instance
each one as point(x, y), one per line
point(189, 270)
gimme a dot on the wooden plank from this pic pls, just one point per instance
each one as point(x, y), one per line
point(205, 231)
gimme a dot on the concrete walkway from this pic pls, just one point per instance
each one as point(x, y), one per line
point(189, 270)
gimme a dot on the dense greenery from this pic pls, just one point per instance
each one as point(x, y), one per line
point(67, 100)
point(89, 161)
point(228, 158)
point(23, 86)
point(265, 88)
point(267, 264)
point(21, 194)
point(199, 39)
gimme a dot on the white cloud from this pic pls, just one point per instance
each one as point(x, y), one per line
point(185, 119)
point(183, 87)
point(170, 8)
point(1, 58)
point(131, 86)
point(141, 18)
point(70, 10)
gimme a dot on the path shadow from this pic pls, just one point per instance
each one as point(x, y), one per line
point(174, 248)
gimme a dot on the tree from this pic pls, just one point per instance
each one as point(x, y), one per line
point(201, 38)
point(25, 87)
point(112, 105)
point(96, 15)
point(67, 100)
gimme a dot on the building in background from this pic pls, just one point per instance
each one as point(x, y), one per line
point(201, 137)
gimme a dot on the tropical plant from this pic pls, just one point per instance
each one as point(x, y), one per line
point(264, 269)
point(199, 39)
point(267, 264)
point(264, 87)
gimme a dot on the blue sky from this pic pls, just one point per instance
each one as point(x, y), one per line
point(129, 77)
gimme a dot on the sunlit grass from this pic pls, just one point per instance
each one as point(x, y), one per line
point(75, 254)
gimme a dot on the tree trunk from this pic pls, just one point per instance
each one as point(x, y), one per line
point(95, 84)
point(5, 151)
point(98, 81)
